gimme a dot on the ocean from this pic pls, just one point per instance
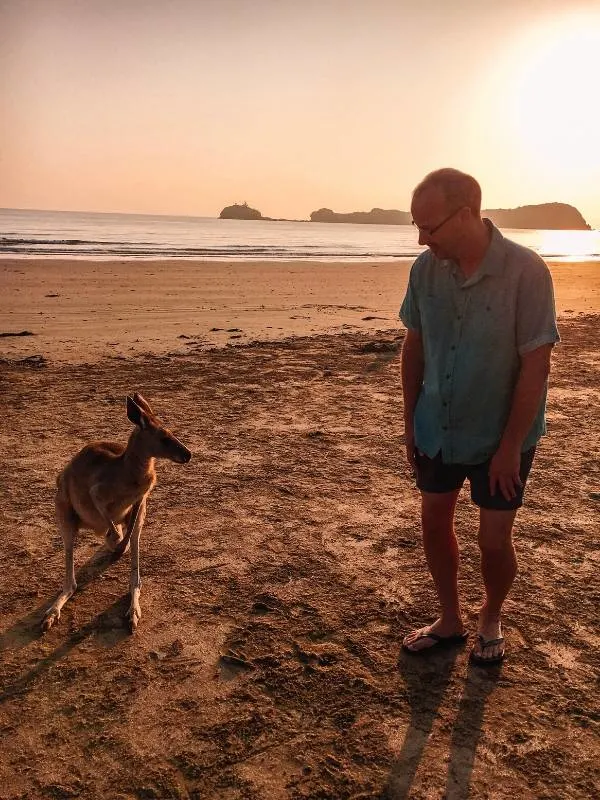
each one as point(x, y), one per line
point(29, 234)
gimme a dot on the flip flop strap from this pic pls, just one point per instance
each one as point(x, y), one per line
point(489, 642)
point(436, 637)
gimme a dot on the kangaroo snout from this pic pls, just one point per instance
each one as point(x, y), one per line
point(184, 456)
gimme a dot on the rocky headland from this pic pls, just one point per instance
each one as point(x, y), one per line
point(548, 216)
point(376, 216)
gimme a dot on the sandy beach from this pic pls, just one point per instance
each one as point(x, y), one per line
point(283, 565)
point(81, 311)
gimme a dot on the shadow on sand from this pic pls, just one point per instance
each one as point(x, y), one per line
point(28, 629)
point(480, 682)
point(426, 681)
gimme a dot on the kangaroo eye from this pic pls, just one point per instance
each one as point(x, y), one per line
point(165, 439)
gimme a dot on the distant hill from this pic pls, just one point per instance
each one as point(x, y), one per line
point(376, 216)
point(551, 216)
point(240, 211)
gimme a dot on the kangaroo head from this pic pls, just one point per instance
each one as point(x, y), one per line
point(159, 442)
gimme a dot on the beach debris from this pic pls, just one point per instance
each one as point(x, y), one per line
point(368, 319)
point(52, 294)
point(36, 361)
point(383, 346)
point(20, 333)
point(157, 655)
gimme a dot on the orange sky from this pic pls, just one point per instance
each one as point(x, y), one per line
point(186, 106)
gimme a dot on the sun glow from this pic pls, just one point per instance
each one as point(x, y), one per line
point(556, 108)
point(570, 245)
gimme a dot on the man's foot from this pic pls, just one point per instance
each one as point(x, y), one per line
point(434, 637)
point(489, 644)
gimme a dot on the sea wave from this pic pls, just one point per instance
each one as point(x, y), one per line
point(112, 249)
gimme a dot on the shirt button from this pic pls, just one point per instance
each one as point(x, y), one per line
point(445, 403)
point(444, 427)
point(453, 347)
point(448, 377)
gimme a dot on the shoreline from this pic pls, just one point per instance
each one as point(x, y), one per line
point(80, 311)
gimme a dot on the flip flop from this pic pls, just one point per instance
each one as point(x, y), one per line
point(475, 658)
point(439, 642)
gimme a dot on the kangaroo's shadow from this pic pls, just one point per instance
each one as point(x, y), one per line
point(466, 731)
point(103, 622)
point(28, 629)
point(426, 679)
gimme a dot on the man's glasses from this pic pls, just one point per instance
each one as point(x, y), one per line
point(431, 231)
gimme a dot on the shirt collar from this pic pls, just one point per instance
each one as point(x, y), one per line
point(494, 258)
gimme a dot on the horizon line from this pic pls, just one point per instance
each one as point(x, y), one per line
point(265, 219)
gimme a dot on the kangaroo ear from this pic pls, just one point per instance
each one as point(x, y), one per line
point(135, 413)
point(145, 406)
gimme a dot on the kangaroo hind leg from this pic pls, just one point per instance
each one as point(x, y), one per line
point(68, 524)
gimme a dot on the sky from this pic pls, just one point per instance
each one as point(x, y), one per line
point(186, 106)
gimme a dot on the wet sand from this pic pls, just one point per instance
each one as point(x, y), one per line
point(84, 310)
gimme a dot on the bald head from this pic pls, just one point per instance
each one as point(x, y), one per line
point(458, 189)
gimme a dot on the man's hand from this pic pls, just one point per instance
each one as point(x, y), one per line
point(409, 442)
point(504, 472)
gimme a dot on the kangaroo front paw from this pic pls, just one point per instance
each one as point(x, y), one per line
point(50, 617)
point(133, 616)
point(121, 548)
point(113, 539)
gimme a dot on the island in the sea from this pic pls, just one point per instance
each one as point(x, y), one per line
point(546, 216)
point(244, 211)
point(240, 211)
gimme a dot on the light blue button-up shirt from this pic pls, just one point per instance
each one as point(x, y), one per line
point(473, 332)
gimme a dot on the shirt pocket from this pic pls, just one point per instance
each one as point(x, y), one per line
point(493, 322)
point(436, 314)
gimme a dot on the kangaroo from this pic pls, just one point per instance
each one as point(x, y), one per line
point(106, 485)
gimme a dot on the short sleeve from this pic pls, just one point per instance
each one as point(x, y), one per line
point(536, 314)
point(409, 310)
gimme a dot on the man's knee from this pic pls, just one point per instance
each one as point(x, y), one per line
point(495, 530)
point(437, 512)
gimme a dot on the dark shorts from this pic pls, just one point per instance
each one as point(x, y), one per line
point(436, 477)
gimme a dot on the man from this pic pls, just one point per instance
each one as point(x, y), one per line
point(480, 319)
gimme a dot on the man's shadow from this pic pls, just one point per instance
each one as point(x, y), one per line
point(480, 682)
point(427, 679)
point(29, 628)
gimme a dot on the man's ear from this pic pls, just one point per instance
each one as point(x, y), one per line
point(135, 414)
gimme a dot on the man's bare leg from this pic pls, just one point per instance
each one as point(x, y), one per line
point(498, 568)
point(441, 552)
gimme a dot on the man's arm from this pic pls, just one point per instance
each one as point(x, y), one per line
point(505, 465)
point(412, 381)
